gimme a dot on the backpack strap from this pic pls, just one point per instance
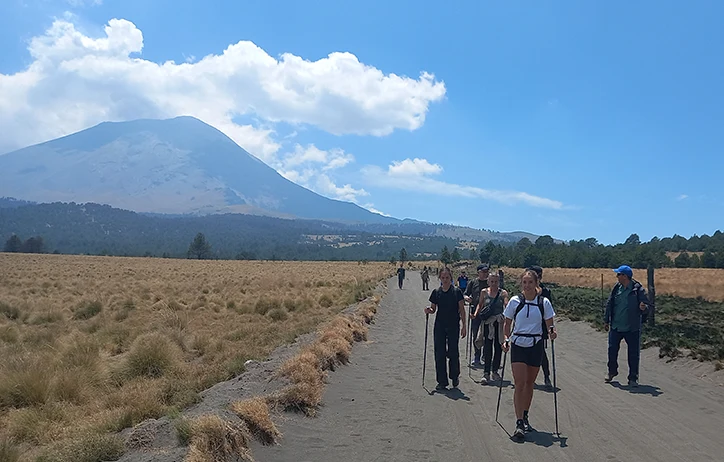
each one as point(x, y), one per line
point(541, 307)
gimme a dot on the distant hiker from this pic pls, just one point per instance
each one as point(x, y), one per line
point(450, 327)
point(463, 281)
point(472, 296)
point(490, 337)
point(529, 316)
point(545, 292)
point(400, 275)
point(626, 310)
point(425, 278)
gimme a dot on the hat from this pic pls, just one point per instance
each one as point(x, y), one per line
point(484, 266)
point(537, 269)
point(624, 269)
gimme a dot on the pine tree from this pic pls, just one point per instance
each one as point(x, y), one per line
point(200, 248)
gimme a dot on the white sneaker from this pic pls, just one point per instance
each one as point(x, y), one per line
point(496, 376)
point(485, 380)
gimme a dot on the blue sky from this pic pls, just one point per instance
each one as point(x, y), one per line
point(608, 116)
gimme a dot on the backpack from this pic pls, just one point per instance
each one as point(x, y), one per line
point(522, 305)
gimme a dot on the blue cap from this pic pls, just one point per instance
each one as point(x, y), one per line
point(624, 269)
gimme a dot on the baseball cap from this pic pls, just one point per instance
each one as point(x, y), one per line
point(484, 266)
point(624, 269)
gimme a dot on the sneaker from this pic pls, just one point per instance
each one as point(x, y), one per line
point(497, 377)
point(526, 425)
point(609, 377)
point(519, 433)
point(486, 379)
point(548, 384)
point(440, 387)
point(633, 384)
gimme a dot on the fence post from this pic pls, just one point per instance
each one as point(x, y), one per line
point(652, 294)
point(501, 276)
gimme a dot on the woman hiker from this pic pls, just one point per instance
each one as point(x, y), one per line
point(450, 322)
point(528, 319)
point(490, 311)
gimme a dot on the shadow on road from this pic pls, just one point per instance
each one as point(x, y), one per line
point(640, 390)
point(545, 439)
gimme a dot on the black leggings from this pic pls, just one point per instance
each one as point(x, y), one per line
point(446, 338)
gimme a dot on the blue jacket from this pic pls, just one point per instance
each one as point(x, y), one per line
point(636, 317)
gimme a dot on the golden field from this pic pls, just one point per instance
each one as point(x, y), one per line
point(681, 282)
point(91, 345)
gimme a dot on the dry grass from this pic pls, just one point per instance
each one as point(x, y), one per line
point(255, 414)
point(680, 282)
point(217, 440)
point(98, 344)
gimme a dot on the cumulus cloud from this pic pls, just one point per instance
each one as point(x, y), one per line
point(75, 81)
point(415, 175)
point(682, 197)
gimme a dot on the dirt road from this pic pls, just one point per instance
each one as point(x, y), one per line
point(376, 409)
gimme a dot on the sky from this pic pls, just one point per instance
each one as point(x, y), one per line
point(574, 119)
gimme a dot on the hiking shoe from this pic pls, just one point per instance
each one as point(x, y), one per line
point(440, 387)
point(485, 380)
point(476, 363)
point(633, 384)
point(609, 377)
point(526, 425)
point(548, 384)
point(497, 377)
point(519, 433)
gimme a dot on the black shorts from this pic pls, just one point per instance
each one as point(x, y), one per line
point(532, 356)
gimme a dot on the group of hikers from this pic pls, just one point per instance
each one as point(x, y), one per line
point(522, 325)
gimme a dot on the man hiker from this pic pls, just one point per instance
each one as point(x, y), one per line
point(400, 274)
point(626, 310)
point(450, 323)
point(528, 320)
point(472, 296)
point(425, 278)
point(463, 281)
point(544, 292)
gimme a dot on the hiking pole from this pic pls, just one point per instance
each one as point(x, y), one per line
point(555, 386)
point(500, 387)
point(424, 354)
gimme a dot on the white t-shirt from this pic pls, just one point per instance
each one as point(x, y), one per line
point(528, 320)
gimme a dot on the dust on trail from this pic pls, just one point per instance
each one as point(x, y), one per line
point(376, 409)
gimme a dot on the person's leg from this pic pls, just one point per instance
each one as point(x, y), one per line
point(520, 376)
point(632, 342)
point(487, 350)
point(497, 349)
point(614, 344)
point(439, 339)
point(453, 353)
point(475, 327)
point(531, 374)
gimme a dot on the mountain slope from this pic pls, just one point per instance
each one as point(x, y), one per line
point(179, 165)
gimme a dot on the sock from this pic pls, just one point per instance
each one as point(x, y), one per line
point(525, 415)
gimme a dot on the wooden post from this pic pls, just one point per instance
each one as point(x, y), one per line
point(652, 294)
point(501, 276)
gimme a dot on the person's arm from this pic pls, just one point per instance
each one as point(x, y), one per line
point(506, 298)
point(461, 310)
point(552, 333)
point(431, 309)
point(507, 325)
point(479, 305)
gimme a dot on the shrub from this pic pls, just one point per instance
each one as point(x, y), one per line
point(87, 310)
point(151, 355)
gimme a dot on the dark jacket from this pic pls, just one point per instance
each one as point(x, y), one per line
point(636, 317)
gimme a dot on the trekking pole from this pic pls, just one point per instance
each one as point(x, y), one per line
point(500, 387)
point(424, 354)
point(555, 386)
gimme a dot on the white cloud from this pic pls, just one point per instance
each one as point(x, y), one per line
point(77, 3)
point(75, 81)
point(414, 167)
point(414, 175)
point(682, 197)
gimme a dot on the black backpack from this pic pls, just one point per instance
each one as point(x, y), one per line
point(522, 305)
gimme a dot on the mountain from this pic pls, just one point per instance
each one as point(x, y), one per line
point(176, 166)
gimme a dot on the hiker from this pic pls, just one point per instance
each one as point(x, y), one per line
point(545, 292)
point(472, 296)
point(425, 278)
point(490, 337)
point(626, 310)
point(400, 274)
point(450, 324)
point(462, 281)
point(528, 320)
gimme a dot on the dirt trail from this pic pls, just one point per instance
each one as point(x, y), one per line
point(376, 409)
